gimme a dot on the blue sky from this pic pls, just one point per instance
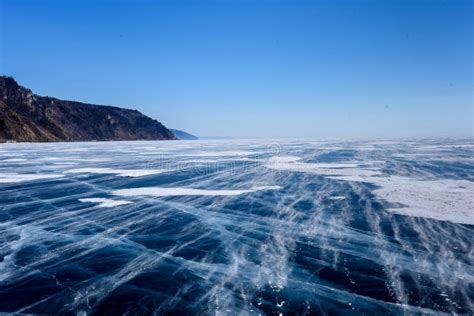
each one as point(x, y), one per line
point(254, 68)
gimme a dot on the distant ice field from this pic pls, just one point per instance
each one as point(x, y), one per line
point(238, 227)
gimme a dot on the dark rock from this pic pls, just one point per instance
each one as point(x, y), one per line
point(26, 117)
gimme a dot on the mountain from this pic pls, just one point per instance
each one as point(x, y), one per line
point(183, 135)
point(27, 117)
point(215, 137)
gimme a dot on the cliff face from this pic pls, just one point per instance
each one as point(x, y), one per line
point(26, 117)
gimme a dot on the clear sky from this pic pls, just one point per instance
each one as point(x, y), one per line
point(254, 68)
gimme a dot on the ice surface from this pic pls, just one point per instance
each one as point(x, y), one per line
point(450, 200)
point(238, 227)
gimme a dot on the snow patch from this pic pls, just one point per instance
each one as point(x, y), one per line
point(339, 171)
point(119, 172)
point(337, 198)
point(16, 177)
point(446, 200)
point(177, 191)
point(14, 160)
point(282, 159)
point(102, 202)
point(220, 154)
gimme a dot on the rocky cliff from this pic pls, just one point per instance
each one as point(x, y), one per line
point(26, 117)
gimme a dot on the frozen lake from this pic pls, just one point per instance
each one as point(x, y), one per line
point(237, 227)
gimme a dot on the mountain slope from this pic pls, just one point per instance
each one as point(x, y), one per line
point(25, 116)
point(183, 135)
